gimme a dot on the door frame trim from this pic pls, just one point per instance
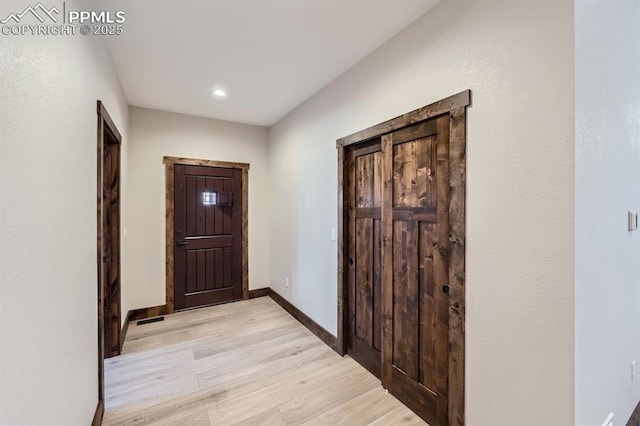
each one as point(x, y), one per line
point(170, 163)
point(455, 106)
point(104, 122)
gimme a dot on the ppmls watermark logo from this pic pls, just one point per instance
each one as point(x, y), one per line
point(42, 20)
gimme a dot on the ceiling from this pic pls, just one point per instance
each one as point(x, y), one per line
point(269, 55)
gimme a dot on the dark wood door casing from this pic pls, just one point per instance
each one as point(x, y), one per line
point(208, 235)
point(422, 267)
point(108, 244)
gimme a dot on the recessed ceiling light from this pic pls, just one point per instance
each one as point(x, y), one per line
point(219, 93)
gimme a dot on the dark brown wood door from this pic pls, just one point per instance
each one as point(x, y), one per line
point(208, 235)
point(364, 227)
point(111, 236)
point(416, 263)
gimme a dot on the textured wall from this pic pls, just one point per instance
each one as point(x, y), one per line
point(607, 177)
point(155, 134)
point(517, 57)
point(48, 274)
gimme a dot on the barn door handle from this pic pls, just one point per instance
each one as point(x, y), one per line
point(445, 289)
point(182, 243)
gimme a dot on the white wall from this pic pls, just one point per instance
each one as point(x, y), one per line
point(155, 134)
point(517, 57)
point(607, 177)
point(48, 273)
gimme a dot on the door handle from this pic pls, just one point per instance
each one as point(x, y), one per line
point(350, 261)
point(182, 243)
point(445, 289)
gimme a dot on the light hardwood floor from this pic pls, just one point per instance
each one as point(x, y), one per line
point(242, 363)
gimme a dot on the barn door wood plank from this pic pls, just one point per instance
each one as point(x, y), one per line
point(387, 261)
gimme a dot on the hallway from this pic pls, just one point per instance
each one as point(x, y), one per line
point(244, 363)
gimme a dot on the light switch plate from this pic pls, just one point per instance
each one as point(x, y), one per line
point(633, 221)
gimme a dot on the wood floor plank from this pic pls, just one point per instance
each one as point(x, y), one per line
point(272, 417)
point(309, 406)
point(159, 389)
point(184, 406)
point(279, 388)
point(398, 416)
point(362, 410)
point(199, 418)
point(244, 363)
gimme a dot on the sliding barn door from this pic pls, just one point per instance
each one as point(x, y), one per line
point(402, 258)
point(363, 207)
point(416, 256)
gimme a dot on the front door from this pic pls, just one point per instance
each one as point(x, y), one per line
point(208, 235)
point(416, 267)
